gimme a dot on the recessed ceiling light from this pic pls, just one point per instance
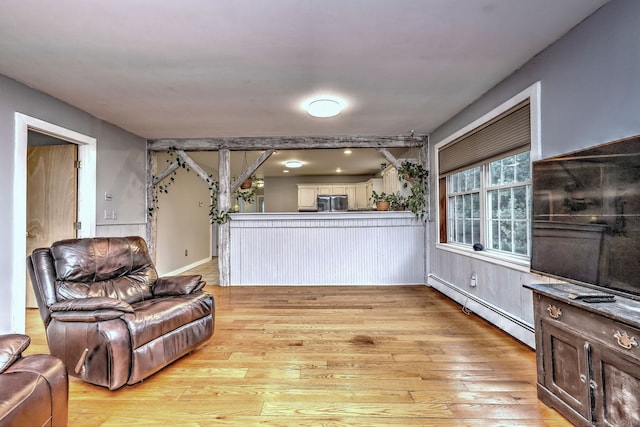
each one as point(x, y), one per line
point(292, 164)
point(286, 171)
point(339, 170)
point(324, 106)
point(348, 151)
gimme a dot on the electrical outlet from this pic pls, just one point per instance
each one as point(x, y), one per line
point(186, 252)
point(474, 281)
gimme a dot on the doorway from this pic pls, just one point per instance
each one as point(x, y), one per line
point(52, 194)
point(86, 200)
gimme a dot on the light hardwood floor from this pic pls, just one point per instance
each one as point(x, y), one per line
point(329, 356)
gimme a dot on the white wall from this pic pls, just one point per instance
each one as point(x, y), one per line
point(118, 153)
point(590, 94)
point(183, 222)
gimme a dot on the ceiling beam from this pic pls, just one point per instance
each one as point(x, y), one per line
point(251, 169)
point(390, 157)
point(282, 143)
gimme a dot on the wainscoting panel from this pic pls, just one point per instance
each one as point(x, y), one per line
point(327, 249)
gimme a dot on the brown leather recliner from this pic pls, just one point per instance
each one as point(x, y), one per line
point(34, 389)
point(108, 315)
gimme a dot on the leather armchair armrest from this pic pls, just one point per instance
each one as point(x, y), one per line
point(89, 309)
point(91, 304)
point(11, 348)
point(86, 316)
point(177, 285)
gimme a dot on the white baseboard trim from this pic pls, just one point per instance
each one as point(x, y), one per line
point(187, 267)
point(514, 326)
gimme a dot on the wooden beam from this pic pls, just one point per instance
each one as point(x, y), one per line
point(251, 169)
point(224, 204)
point(194, 166)
point(152, 217)
point(390, 157)
point(165, 173)
point(282, 143)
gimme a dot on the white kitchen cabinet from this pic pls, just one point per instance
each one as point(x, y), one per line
point(338, 190)
point(390, 182)
point(307, 196)
point(358, 194)
point(325, 189)
point(361, 196)
point(351, 191)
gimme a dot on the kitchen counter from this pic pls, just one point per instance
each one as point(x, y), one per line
point(327, 248)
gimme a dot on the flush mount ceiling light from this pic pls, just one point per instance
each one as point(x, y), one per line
point(324, 106)
point(292, 164)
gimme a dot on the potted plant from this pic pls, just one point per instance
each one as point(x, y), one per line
point(247, 183)
point(382, 200)
point(398, 202)
point(248, 193)
point(415, 178)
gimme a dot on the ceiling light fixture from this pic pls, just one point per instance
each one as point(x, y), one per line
point(324, 106)
point(348, 151)
point(286, 171)
point(339, 170)
point(292, 164)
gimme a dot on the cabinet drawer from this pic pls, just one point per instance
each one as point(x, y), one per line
point(616, 335)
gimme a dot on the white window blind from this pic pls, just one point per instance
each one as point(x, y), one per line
point(507, 134)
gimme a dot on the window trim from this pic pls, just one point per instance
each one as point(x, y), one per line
point(532, 93)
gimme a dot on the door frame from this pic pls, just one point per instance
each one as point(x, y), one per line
point(86, 199)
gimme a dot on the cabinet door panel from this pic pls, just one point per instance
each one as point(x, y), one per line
point(339, 190)
point(362, 196)
point(617, 382)
point(307, 197)
point(566, 368)
point(350, 191)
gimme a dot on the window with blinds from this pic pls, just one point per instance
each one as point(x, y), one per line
point(485, 186)
point(508, 133)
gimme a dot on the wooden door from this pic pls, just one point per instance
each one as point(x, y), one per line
point(617, 381)
point(51, 198)
point(566, 368)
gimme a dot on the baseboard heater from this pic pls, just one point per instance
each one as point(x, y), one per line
point(512, 325)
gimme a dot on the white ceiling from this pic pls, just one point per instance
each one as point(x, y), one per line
point(207, 68)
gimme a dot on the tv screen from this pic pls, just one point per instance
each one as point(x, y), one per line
point(586, 217)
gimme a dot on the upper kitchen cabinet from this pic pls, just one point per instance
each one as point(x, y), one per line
point(350, 191)
point(307, 196)
point(324, 189)
point(390, 182)
point(339, 189)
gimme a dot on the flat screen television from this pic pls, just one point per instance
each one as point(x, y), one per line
point(586, 217)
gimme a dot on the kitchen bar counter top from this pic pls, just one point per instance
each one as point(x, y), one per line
point(327, 248)
point(324, 215)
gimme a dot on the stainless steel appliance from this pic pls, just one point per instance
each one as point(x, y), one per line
point(332, 203)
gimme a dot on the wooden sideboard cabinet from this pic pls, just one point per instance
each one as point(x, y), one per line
point(588, 356)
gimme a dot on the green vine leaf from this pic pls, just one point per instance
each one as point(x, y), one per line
point(415, 177)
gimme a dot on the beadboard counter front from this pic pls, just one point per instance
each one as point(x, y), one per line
point(327, 248)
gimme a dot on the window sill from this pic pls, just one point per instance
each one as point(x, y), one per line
point(512, 262)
